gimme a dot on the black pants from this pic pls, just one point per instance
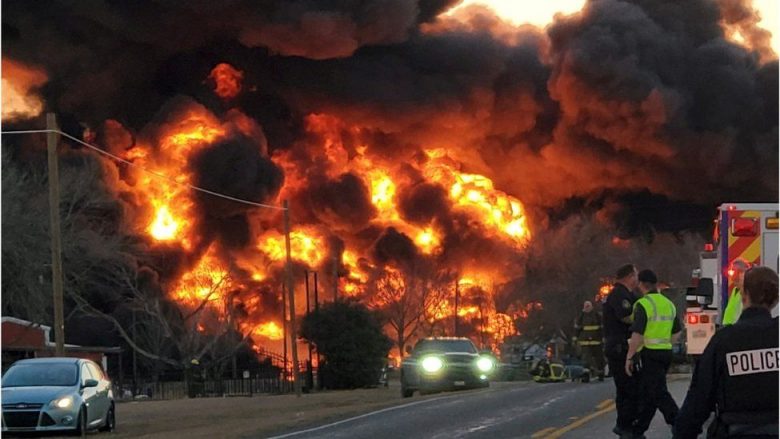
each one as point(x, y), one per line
point(593, 356)
point(653, 390)
point(626, 387)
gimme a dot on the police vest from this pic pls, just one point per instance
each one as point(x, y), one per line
point(661, 313)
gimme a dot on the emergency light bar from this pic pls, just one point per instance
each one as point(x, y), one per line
point(771, 223)
point(744, 227)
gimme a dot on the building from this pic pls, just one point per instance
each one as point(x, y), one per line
point(24, 339)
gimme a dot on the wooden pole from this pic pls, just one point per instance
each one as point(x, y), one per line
point(457, 299)
point(284, 329)
point(316, 295)
point(335, 279)
point(56, 239)
point(291, 300)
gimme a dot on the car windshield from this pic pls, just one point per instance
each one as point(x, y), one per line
point(465, 346)
point(40, 374)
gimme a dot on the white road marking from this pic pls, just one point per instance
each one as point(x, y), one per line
point(365, 415)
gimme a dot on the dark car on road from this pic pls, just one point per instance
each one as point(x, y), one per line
point(56, 394)
point(445, 363)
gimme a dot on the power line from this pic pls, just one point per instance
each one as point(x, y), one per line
point(156, 174)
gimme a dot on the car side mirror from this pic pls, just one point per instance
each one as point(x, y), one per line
point(90, 383)
point(705, 287)
point(408, 350)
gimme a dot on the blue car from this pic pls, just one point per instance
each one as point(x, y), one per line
point(56, 394)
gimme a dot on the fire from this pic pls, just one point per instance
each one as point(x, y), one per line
point(601, 296)
point(305, 245)
point(164, 226)
point(476, 194)
point(383, 193)
point(227, 80)
point(208, 281)
point(269, 330)
point(171, 203)
point(427, 240)
point(19, 83)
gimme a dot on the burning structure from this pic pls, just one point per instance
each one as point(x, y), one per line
point(421, 152)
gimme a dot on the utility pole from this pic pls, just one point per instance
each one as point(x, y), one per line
point(335, 279)
point(457, 299)
point(52, 139)
point(284, 329)
point(291, 296)
point(317, 308)
point(308, 310)
point(135, 359)
point(316, 294)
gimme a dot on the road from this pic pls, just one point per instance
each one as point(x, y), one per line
point(506, 410)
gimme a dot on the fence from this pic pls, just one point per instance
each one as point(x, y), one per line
point(213, 388)
point(275, 378)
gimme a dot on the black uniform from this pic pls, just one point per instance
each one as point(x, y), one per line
point(619, 305)
point(652, 378)
point(737, 377)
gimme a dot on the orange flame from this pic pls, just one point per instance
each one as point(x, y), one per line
point(208, 281)
point(269, 330)
point(19, 82)
point(476, 194)
point(306, 246)
point(171, 203)
point(227, 80)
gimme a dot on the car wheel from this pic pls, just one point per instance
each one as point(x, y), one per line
point(110, 423)
point(81, 423)
point(406, 392)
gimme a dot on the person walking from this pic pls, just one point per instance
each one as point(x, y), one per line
point(737, 374)
point(617, 312)
point(588, 335)
point(650, 352)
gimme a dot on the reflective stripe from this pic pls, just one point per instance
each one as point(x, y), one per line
point(657, 340)
point(591, 327)
point(589, 342)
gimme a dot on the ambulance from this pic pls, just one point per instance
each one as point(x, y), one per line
point(742, 230)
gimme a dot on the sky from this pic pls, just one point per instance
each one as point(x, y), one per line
point(542, 13)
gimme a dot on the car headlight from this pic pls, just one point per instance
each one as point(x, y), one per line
point(485, 364)
point(63, 403)
point(432, 364)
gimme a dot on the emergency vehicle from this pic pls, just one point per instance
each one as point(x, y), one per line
point(742, 230)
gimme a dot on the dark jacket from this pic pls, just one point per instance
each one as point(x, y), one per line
point(737, 377)
point(587, 328)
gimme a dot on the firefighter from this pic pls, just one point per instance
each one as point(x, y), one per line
point(617, 312)
point(587, 334)
point(650, 352)
point(734, 306)
point(737, 375)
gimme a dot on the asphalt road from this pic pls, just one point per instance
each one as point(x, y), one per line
point(506, 410)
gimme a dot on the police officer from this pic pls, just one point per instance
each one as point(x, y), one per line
point(617, 311)
point(587, 332)
point(655, 322)
point(734, 306)
point(737, 375)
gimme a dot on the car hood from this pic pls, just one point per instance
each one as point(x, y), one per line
point(33, 394)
